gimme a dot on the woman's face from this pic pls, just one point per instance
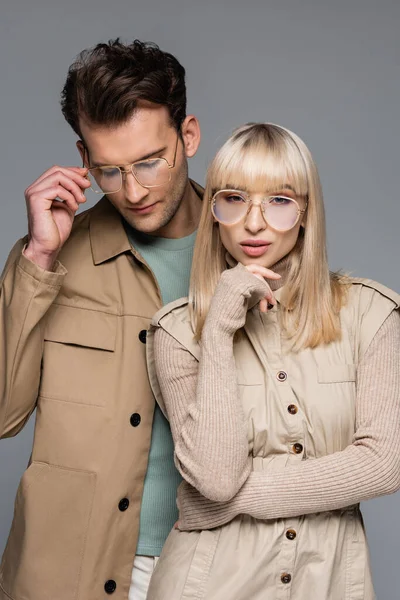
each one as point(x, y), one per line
point(253, 241)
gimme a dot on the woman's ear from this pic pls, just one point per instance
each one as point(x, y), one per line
point(191, 135)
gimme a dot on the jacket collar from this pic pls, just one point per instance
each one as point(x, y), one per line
point(108, 237)
point(107, 234)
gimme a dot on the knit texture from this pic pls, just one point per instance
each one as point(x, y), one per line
point(170, 260)
point(210, 438)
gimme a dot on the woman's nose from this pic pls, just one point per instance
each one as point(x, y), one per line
point(255, 221)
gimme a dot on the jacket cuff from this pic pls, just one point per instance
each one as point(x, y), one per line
point(51, 278)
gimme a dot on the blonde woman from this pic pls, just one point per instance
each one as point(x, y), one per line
point(281, 384)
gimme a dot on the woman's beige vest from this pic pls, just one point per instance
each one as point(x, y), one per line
point(320, 384)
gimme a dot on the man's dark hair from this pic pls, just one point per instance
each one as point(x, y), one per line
point(106, 82)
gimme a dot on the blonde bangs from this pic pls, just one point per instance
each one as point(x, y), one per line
point(264, 160)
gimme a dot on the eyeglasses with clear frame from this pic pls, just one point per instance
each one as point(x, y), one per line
point(149, 173)
point(282, 213)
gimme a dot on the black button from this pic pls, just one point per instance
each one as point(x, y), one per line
point(123, 504)
point(286, 578)
point(281, 376)
point(291, 534)
point(297, 448)
point(292, 408)
point(143, 336)
point(110, 586)
point(135, 419)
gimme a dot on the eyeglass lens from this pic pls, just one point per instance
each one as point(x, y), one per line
point(148, 173)
point(281, 213)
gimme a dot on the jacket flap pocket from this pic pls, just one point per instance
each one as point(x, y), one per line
point(336, 373)
point(81, 327)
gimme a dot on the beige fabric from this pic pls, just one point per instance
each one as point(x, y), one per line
point(346, 418)
point(70, 347)
point(143, 568)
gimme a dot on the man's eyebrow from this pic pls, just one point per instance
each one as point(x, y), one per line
point(145, 157)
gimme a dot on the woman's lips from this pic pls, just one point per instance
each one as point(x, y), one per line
point(254, 247)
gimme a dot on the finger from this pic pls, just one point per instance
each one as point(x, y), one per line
point(61, 179)
point(263, 271)
point(78, 174)
point(263, 305)
point(51, 194)
point(268, 274)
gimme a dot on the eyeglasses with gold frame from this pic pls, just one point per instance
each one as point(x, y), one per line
point(230, 206)
point(154, 169)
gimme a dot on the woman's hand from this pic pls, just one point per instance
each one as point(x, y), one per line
point(263, 273)
point(239, 289)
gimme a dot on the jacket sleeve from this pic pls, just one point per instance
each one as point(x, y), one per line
point(26, 293)
point(368, 468)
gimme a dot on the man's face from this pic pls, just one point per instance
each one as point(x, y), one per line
point(147, 134)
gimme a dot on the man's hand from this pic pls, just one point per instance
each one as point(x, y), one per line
point(52, 201)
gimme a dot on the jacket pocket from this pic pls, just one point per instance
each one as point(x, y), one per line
point(358, 570)
point(45, 549)
point(183, 571)
point(78, 356)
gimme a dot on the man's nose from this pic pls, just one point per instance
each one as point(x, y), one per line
point(134, 192)
point(255, 221)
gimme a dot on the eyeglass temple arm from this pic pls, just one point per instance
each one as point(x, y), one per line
point(175, 153)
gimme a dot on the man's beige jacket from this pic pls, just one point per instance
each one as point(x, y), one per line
point(72, 345)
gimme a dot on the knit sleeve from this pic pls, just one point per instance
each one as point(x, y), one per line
point(202, 399)
point(368, 468)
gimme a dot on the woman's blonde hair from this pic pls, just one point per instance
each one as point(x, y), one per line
point(267, 155)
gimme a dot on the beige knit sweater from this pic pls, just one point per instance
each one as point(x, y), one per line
point(207, 423)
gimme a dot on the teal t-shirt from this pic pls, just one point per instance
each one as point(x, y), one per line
point(170, 260)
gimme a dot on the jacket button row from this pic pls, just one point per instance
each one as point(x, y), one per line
point(297, 448)
point(123, 504)
point(286, 578)
point(292, 409)
point(110, 586)
point(281, 376)
point(142, 336)
point(135, 419)
point(291, 534)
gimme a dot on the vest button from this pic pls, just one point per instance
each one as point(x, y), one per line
point(142, 336)
point(291, 534)
point(297, 448)
point(281, 376)
point(123, 504)
point(286, 578)
point(110, 586)
point(292, 409)
point(135, 419)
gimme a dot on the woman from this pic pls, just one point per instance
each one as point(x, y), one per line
point(281, 384)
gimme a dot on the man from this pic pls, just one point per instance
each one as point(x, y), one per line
point(77, 295)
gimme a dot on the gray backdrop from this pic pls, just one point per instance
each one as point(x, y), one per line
point(328, 70)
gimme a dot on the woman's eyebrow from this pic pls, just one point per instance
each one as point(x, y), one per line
point(285, 186)
point(230, 186)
